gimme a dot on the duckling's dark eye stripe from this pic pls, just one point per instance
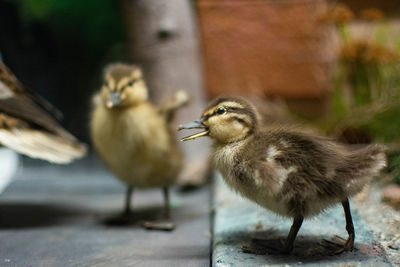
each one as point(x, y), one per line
point(105, 83)
point(210, 115)
point(241, 111)
point(206, 117)
point(248, 114)
point(216, 112)
point(130, 83)
point(242, 121)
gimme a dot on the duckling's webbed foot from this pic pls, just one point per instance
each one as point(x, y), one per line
point(159, 225)
point(259, 246)
point(340, 244)
point(165, 224)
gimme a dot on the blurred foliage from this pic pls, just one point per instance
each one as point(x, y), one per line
point(393, 167)
point(94, 23)
point(366, 84)
point(366, 90)
point(385, 125)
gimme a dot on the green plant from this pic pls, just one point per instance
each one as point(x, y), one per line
point(393, 167)
point(93, 23)
point(366, 83)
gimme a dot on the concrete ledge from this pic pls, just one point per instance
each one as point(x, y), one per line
point(237, 221)
point(9, 162)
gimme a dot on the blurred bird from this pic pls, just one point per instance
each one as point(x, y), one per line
point(27, 126)
point(293, 173)
point(134, 137)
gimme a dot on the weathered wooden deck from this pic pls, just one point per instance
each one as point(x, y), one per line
point(56, 216)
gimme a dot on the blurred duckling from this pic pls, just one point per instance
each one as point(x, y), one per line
point(291, 173)
point(134, 137)
point(28, 126)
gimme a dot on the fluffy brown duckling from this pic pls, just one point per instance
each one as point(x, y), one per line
point(134, 137)
point(28, 126)
point(291, 173)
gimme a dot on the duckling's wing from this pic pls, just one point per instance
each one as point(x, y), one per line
point(293, 162)
point(38, 143)
point(172, 103)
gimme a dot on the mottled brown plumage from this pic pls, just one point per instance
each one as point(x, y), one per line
point(133, 136)
point(27, 126)
point(290, 172)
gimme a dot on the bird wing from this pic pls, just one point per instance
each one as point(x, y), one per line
point(172, 103)
point(15, 101)
point(27, 128)
point(9, 84)
point(37, 143)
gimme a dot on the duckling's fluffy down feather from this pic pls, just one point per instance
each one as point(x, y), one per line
point(137, 145)
point(295, 174)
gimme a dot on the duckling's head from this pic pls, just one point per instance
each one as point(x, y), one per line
point(226, 119)
point(123, 86)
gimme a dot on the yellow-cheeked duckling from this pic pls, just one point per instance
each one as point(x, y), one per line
point(291, 173)
point(133, 136)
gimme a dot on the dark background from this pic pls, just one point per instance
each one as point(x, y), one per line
point(58, 49)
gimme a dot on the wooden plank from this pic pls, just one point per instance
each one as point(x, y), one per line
point(54, 216)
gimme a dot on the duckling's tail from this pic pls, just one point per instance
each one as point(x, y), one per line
point(362, 165)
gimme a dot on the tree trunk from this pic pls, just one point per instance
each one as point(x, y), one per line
point(163, 41)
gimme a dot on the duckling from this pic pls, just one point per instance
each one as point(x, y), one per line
point(134, 137)
point(27, 126)
point(292, 173)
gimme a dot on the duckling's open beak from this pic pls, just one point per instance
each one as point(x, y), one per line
point(194, 125)
point(114, 99)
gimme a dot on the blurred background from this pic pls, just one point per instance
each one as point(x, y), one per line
point(331, 64)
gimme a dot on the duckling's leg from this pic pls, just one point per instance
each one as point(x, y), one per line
point(167, 209)
point(349, 245)
point(125, 217)
point(344, 244)
point(297, 222)
point(128, 197)
point(165, 224)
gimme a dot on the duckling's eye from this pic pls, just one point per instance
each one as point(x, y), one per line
point(131, 82)
point(221, 110)
point(105, 83)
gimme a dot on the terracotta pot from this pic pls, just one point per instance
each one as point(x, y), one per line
point(274, 47)
point(391, 8)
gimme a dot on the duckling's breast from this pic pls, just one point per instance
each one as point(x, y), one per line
point(137, 145)
point(240, 177)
